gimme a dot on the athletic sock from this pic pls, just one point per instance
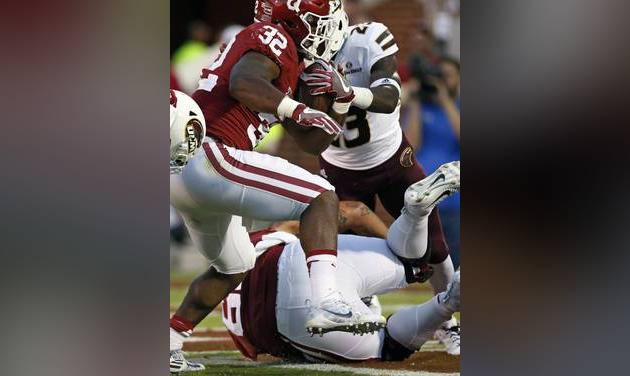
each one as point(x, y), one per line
point(442, 274)
point(321, 268)
point(408, 235)
point(413, 326)
point(180, 329)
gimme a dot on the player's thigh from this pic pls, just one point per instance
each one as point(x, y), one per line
point(254, 185)
point(366, 266)
point(403, 174)
point(223, 240)
point(351, 185)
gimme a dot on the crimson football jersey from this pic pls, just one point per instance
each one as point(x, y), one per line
point(227, 120)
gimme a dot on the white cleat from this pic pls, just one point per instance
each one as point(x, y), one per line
point(423, 196)
point(180, 364)
point(334, 315)
point(450, 338)
point(449, 333)
point(371, 322)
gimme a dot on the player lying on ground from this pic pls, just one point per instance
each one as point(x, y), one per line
point(247, 88)
point(267, 314)
point(372, 157)
point(355, 217)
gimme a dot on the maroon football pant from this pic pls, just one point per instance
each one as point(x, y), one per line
point(388, 181)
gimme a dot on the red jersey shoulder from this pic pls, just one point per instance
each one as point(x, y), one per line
point(272, 41)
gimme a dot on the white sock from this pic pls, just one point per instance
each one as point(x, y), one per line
point(176, 341)
point(442, 274)
point(408, 235)
point(322, 266)
point(413, 326)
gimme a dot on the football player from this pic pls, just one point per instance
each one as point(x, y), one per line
point(267, 313)
point(247, 88)
point(372, 157)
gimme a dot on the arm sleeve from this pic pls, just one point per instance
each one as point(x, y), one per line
point(381, 43)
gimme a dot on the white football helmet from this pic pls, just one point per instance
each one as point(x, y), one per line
point(340, 34)
point(188, 128)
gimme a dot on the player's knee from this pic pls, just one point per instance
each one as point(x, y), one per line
point(328, 199)
point(245, 263)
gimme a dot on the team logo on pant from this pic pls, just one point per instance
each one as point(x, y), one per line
point(406, 157)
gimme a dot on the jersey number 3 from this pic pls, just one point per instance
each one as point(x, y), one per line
point(356, 132)
point(276, 41)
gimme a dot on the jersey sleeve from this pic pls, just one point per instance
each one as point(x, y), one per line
point(271, 41)
point(381, 42)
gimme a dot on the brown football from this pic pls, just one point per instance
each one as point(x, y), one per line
point(322, 102)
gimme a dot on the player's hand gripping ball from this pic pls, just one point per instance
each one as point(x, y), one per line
point(321, 102)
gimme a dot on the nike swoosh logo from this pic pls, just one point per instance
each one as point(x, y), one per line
point(347, 315)
point(440, 178)
point(343, 83)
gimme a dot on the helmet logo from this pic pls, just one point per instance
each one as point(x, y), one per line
point(294, 5)
point(193, 135)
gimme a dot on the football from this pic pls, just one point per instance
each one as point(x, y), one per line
point(322, 102)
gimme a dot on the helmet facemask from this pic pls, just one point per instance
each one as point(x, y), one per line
point(341, 32)
point(321, 37)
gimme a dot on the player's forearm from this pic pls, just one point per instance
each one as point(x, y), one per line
point(310, 140)
point(381, 99)
point(386, 99)
point(339, 118)
point(257, 93)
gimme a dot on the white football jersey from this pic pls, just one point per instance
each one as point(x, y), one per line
point(368, 138)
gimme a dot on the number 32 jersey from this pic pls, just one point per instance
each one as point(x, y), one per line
point(368, 138)
point(227, 120)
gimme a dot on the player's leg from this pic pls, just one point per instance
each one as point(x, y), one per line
point(352, 185)
point(230, 254)
point(353, 267)
point(408, 235)
point(414, 230)
point(225, 243)
point(357, 217)
point(265, 187)
point(449, 331)
point(409, 328)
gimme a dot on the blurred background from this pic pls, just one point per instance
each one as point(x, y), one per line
point(428, 35)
